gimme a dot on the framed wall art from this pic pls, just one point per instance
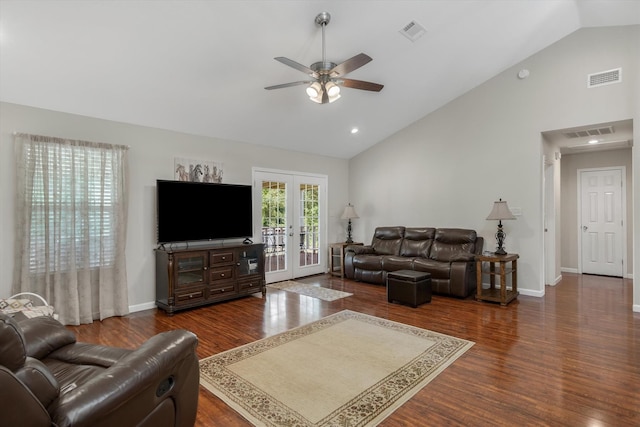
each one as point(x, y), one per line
point(197, 170)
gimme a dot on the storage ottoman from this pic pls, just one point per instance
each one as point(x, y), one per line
point(409, 287)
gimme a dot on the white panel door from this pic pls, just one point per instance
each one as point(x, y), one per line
point(601, 226)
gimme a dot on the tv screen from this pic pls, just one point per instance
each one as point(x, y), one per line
point(202, 211)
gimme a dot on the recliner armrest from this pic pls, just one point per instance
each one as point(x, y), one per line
point(165, 366)
point(37, 377)
point(25, 408)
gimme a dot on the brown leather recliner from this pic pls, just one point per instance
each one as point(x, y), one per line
point(49, 379)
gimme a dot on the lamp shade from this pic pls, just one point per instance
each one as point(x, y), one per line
point(349, 212)
point(500, 211)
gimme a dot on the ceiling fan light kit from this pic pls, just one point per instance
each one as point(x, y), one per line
point(328, 76)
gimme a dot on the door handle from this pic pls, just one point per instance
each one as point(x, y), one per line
point(584, 228)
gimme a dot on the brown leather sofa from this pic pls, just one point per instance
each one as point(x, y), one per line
point(447, 253)
point(49, 379)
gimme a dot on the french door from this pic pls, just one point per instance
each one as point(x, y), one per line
point(290, 216)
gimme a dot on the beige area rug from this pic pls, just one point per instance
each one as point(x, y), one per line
point(347, 369)
point(319, 292)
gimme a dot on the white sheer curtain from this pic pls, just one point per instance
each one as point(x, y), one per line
point(71, 223)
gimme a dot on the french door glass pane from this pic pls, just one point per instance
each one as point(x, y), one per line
point(274, 224)
point(309, 229)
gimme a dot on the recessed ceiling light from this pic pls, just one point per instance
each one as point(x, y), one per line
point(354, 130)
point(593, 141)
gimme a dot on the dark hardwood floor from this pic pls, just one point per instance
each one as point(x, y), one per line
point(571, 358)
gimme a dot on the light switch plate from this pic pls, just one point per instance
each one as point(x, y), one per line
point(516, 211)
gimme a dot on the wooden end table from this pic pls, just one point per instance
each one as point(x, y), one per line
point(336, 258)
point(503, 295)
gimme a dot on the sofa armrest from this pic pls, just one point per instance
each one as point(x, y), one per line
point(463, 257)
point(359, 249)
point(164, 367)
point(462, 278)
point(349, 253)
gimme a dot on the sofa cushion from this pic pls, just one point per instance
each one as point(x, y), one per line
point(417, 241)
point(449, 243)
point(387, 240)
point(438, 269)
point(395, 263)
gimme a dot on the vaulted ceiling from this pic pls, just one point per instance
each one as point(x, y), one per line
point(200, 67)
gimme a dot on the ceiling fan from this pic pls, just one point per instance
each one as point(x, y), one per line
point(327, 77)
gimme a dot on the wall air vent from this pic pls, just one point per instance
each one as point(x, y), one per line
point(604, 78)
point(413, 31)
point(584, 133)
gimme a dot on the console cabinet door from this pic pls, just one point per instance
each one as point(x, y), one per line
point(190, 269)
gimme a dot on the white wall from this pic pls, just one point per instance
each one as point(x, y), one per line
point(152, 152)
point(448, 168)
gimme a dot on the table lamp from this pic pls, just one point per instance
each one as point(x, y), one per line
point(499, 212)
point(349, 213)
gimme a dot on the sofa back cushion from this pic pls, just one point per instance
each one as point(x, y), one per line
point(387, 240)
point(449, 243)
point(417, 242)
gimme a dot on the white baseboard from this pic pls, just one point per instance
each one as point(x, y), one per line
point(530, 293)
point(636, 308)
point(142, 307)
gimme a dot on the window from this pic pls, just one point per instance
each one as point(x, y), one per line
point(72, 208)
point(71, 213)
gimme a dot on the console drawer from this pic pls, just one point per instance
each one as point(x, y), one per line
point(220, 291)
point(218, 258)
point(219, 274)
point(250, 286)
point(189, 297)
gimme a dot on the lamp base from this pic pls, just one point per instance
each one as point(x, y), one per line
point(349, 239)
point(500, 236)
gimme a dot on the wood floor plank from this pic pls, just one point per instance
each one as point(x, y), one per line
point(571, 358)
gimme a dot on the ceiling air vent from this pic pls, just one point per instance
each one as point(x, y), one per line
point(604, 78)
point(607, 130)
point(413, 31)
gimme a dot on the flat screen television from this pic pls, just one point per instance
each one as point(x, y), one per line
point(190, 211)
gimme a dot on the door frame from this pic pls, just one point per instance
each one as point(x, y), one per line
point(623, 214)
point(322, 216)
point(549, 226)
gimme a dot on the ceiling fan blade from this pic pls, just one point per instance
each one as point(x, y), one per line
point(293, 64)
point(359, 84)
point(350, 64)
point(289, 85)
